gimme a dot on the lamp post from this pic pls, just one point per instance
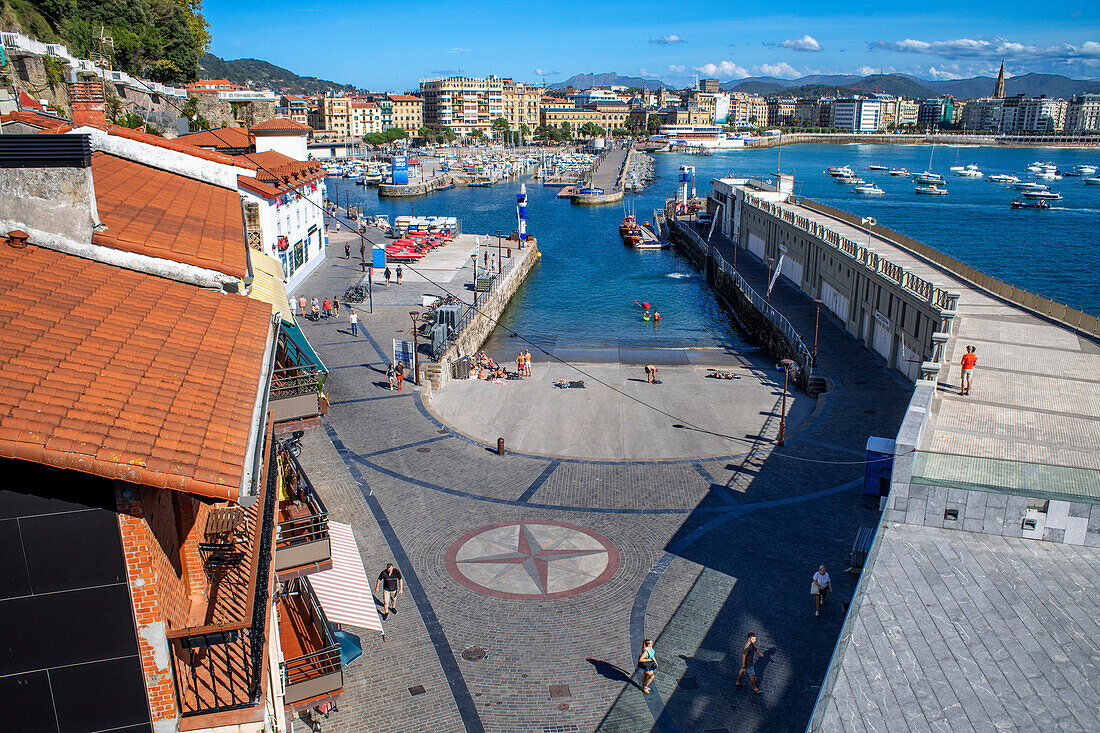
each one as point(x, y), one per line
point(768, 288)
point(500, 263)
point(783, 412)
point(817, 321)
point(415, 367)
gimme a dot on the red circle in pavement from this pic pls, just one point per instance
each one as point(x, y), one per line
point(541, 560)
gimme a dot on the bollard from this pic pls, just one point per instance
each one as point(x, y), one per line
point(500, 446)
point(509, 251)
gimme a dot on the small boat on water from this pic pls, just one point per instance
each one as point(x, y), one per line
point(881, 168)
point(1084, 169)
point(1030, 186)
point(840, 170)
point(1018, 203)
point(932, 179)
point(970, 171)
point(900, 172)
point(1048, 176)
point(848, 180)
point(1093, 181)
point(1042, 195)
point(869, 189)
point(930, 190)
point(1003, 178)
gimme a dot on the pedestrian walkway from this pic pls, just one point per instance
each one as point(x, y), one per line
point(693, 552)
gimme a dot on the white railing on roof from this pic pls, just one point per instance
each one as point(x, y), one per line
point(247, 96)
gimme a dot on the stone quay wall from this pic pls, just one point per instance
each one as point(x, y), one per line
point(489, 309)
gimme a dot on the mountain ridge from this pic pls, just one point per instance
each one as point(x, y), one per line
point(260, 73)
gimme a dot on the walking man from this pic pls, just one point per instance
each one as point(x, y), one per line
point(968, 361)
point(392, 585)
point(820, 587)
point(399, 372)
point(354, 318)
point(293, 303)
point(399, 273)
point(749, 653)
point(302, 305)
point(347, 250)
point(327, 307)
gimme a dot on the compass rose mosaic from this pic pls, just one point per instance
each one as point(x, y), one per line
point(532, 560)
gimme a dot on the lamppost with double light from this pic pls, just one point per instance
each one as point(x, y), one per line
point(783, 412)
point(415, 367)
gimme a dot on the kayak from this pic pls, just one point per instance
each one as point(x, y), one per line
point(645, 318)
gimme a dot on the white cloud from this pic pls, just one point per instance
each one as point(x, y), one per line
point(782, 70)
point(667, 40)
point(866, 70)
point(459, 50)
point(943, 73)
point(806, 43)
point(994, 47)
point(677, 68)
point(723, 70)
point(544, 72)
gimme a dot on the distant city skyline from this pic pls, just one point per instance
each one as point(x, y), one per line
point(393, 47)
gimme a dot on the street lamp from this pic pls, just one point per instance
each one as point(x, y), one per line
point(783, 412)
point(415, 367)
point(500, 263)
point(817, 321)
point(768, 285)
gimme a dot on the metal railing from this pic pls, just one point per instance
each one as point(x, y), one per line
point(293, 381)
point(320, 663)
point(470, 311)
point(310, 528)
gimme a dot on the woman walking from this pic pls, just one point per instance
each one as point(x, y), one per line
point(391, 376)
point(647, 662)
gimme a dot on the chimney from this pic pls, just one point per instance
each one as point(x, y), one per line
point(46, 188)
point(88, 106)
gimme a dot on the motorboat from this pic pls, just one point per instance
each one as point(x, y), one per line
point(849, 180)
point(900, 172)
point(957, 168)
point(932, 179)
point(868, 190)
point(968, 173)
point(1048, 176)
point(1021, 204)
point(1003, 178)
point(1093, 181)
point(930, 190)
point(879, 168)
point(1030, 186)
point(1042, 195)
point(840, 171)
point(1084, 169)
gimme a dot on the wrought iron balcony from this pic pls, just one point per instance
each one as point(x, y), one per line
point(302, 539)
point(312, 671)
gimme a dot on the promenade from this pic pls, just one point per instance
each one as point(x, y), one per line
point(557, 567)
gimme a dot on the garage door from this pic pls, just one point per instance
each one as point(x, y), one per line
point(908, 360)
point(884, 335)
point(792, 270)
point(834, 301)
point(756, 246)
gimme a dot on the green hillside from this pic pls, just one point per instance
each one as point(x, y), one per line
point(261, 74)
point(157, 39)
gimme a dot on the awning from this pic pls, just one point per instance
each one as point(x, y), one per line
point(269, 285)
point(344, 591)
point(294, 333)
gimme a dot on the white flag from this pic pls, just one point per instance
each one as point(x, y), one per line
point(775, 275)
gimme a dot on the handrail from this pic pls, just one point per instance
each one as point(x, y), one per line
point(293, 532)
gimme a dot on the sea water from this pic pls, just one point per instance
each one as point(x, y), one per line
point(587, 288)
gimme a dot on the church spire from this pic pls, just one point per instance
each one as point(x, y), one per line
point(999, 92)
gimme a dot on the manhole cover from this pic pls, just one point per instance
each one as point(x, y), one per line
point(473, 653)
point(423, 449)
point(560, 691)
point(418, 690)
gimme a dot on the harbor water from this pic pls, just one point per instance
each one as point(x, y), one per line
point(586, 291)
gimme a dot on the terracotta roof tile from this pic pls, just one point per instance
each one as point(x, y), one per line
point(153, 212)
point(36, 119)
point(280, 124)
point(222, 138)
point(127, 375)
point(178, 144)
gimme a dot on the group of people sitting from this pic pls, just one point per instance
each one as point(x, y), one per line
point(483, 367)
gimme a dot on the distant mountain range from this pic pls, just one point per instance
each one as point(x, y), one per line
point(262, 75)
point(898, 85)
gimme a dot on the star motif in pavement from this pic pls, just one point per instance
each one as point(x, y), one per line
point(531, 557)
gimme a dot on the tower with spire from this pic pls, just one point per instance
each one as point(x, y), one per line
point(999, 91)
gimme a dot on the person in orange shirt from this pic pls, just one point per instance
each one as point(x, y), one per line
point(968, 361)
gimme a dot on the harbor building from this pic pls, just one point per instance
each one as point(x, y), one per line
point(332, 114)
point(857, 114)
point(521, 104)
point(939, 111)
point(462, 103)
point(1041, 114)
point(747, 110)
point(781, 111)
point(407, 113)
point(364, 118)
point(1083, 113)
point(908, 111)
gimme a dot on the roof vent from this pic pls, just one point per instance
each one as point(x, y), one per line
point(45, 151)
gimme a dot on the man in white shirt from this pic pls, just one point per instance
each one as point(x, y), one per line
point(819, 587)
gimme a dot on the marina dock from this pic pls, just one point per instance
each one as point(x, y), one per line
point(608, 176)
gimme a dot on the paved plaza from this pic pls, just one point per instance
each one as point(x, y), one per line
point(534, 576)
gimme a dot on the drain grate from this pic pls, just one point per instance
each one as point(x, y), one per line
point(418, 690)
point(423, 449)
point(560, 691)
point(474, 653)
point(689, 683)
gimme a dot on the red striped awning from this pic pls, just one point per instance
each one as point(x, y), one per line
point(344, 591)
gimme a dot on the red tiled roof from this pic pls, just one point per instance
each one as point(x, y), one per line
point(280, 124)
point(221, 138)
point(282, 170)
point(126, 375)
point(153, 212)
point(176, 144)
point(37, 119)
point(404, 98)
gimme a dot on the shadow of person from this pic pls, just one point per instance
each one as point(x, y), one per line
point(612, 672)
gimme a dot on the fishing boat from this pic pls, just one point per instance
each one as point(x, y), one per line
point(629, 222)
point(930, 190)
point(900, 172)
point(1018, 203)
point(868, 190)
point(1042, 195)
point(1002, 178)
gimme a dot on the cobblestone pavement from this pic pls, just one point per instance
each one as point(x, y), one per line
point(708, 551)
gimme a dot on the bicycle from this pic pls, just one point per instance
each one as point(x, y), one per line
point(293, 444)
point(355, 294)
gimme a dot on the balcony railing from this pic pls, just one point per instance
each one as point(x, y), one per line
point(218, 666)
point(315, 669)
point(302, 537)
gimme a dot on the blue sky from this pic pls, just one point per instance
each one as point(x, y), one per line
point(391, 46)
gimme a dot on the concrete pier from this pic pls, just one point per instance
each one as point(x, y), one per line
point(608, 176)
